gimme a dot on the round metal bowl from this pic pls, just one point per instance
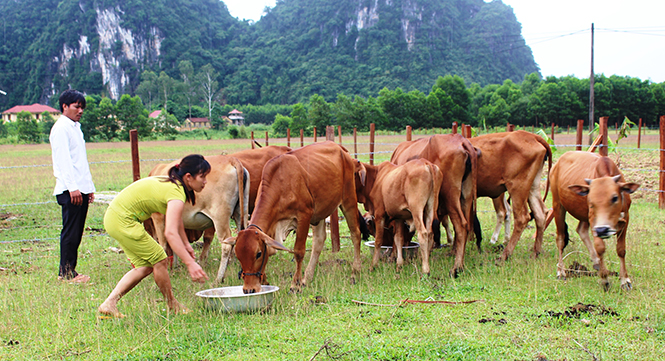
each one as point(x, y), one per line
point(232, 299)
point(409, 250)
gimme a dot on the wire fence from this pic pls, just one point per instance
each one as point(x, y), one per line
point(382, 146)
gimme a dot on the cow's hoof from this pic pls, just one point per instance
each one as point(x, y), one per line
point(596, 266)
point(605, 284)
point(627, 286)
point(455, 273)
point(295, 290)
point(499, 261)
point(561, 277)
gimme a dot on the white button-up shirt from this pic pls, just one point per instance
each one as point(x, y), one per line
point(70, 161)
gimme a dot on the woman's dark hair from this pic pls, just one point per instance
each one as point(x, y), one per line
point(193, 164)
point(71, 96)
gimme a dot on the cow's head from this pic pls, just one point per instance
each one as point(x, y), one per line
point(606, 200)
point(252, 248)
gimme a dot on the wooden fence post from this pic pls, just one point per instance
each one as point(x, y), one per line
point(602, 149)
point(511, 127)
point(339, 134)
point(136, 162)
point(552, 132)
point(355, 142)
point(408, 133)
point(302, 138)
point(454, 127)
point(371, 143)
point(288, 137)
point(267, 139)
point(252, 139)
point(578, 137)
point(334, 216)
point(639, 133)
point(314, 134)
point(661, 195)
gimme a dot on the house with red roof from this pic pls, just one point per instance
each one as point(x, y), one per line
point(155, 114)
point(11, 114)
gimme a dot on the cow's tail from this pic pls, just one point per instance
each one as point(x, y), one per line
point(544, 143)
point(240, 171)
point(436, 177)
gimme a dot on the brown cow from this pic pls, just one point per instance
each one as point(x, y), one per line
point(592, 189)
point(299, 188)
point(513, 162)
point(408, 192)
point(219, 201)
point(457, 159)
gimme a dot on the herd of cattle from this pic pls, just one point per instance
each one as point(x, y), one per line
point(426, 182)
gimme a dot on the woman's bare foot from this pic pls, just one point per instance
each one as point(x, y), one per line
point(110, 310)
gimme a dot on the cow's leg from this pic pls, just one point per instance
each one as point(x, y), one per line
point(603, 272)
point(583, 231)
point(349, 208)
point(398, 243)
point(227, 249)
point(426, 239)
point(208, 236)
point(561, 237)
point(626, 284)
point(502, 210)
point(299, 249)
point(318, 242)
point(521, 215)
point(450, 236)
point(539, 214)
point(460, 225)
point(378, 239)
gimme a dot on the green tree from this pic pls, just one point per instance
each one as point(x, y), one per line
point(281, 124)
point(320, 115)
point(133, 115)
point(28, 128)
point(166, 88)
point(46, 123)
point(148, 89)
point(188, 87)
point(300, 120)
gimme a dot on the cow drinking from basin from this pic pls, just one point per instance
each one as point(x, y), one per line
point(408, 192)
point(298, 189)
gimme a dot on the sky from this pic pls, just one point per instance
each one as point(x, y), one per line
point(629, 35)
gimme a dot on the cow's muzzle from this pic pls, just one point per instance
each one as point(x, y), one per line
point(604, 231)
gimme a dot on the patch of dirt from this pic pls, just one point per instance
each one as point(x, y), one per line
point(641, 168)
point(579, 309)
point(6, 218)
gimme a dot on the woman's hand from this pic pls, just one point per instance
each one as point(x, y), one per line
point(196, 272)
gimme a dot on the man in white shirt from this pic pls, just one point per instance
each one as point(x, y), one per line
point(74, 189)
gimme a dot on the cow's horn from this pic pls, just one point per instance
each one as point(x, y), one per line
point(588, 181)
point(616, 178)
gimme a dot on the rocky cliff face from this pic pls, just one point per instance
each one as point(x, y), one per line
point(118, 49)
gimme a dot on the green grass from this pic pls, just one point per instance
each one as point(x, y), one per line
point(513, 318)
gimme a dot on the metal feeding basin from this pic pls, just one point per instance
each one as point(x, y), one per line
point(232, 299)
point(409, 250)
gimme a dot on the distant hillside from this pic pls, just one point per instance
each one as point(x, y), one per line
point(300, 48)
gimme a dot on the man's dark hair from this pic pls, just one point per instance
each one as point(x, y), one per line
point(71, 96)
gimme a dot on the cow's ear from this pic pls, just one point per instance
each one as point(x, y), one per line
point(629, 187)
point(231, 241)
point(362, 172)
point(276, 245)
point(579, 189)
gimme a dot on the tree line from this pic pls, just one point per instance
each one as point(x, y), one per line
point(534, 102)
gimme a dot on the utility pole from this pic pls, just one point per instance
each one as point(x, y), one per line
point(591, 92)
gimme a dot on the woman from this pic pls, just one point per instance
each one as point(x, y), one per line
point(123, 221)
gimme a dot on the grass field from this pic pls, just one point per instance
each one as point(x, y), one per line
point(521, 311)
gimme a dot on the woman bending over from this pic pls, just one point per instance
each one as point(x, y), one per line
point(124, 222)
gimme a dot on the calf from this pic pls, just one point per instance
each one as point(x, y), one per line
point(592, 189)
point(409, 192)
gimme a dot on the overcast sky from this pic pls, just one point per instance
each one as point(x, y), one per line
point(629, 34)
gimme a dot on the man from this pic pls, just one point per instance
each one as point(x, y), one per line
point(74, 189)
